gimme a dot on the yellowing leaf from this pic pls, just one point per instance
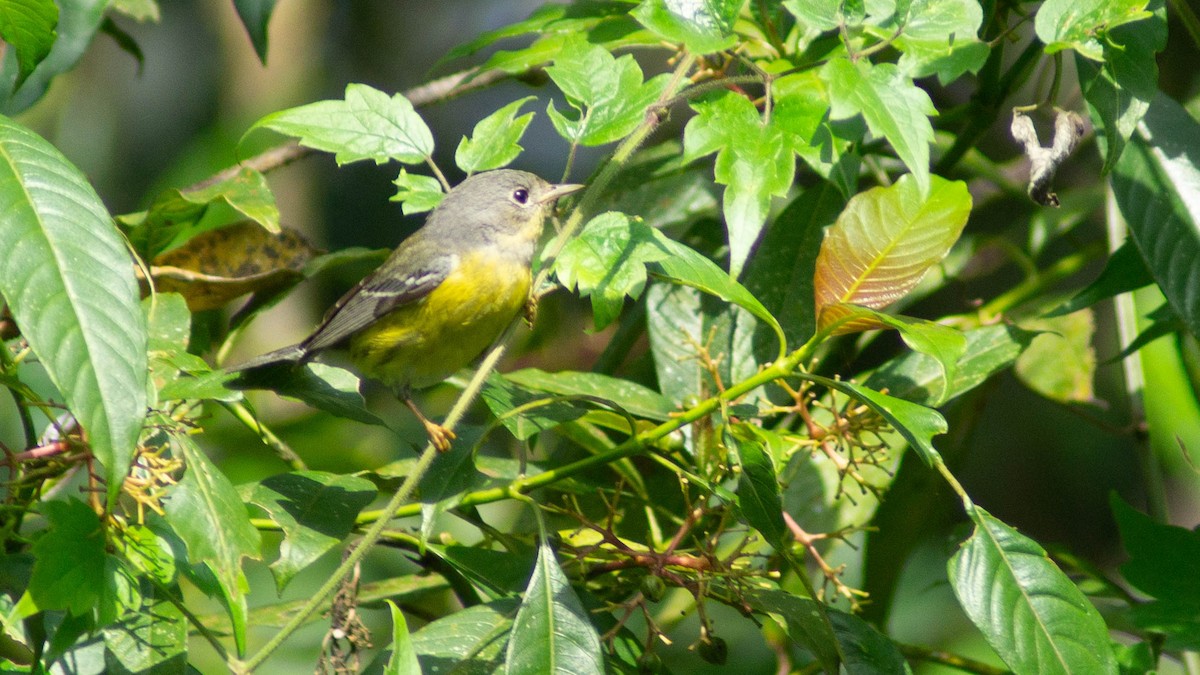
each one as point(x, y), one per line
point(218, 266)
point(883, 243)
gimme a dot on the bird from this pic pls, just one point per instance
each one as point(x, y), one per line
point(444, 295)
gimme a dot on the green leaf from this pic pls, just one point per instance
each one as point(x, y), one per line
point(1164, 563)
point(1155, 185)
point(417, 193)
point(703, 26)
point(607, 93)
point(255, 15)
point(68, 281)
point(552, 633)
point(801, 112)
point(403, 660)
point(625, 395)
point(367, 124)
point(1060, 364)
point(152, 639)
point(753, 160)
point(69, 564)
point(1119, 90)
point(172, 219)
point(501, 572)
point(918, 377)
point(607, 261)
point(781, 272)
point(891, 104)
point(28, 28)
point(1124, 271)
point(823, 15)
point(210, 519)
point(1082, 24)
point(916, 423)
point(78, 23)
point(681, 321)
point(806, 624)
point(866, 650)
point(451, 474)
point(526, 413)
point(940, 37)
point(758, 488)
point(551, 19)
point(315, 510)
point(471, 639)
point(494, 142)
point(657, 187)
point(1029, 611)
point(884, 242)
point(945, 344)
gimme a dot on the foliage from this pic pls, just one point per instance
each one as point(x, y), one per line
point(773, 243)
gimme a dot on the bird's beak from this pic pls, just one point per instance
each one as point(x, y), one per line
point(559, 191)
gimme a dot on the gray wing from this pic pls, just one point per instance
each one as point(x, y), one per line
point(387, 288)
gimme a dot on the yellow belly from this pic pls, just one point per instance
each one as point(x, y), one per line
point(421, 344)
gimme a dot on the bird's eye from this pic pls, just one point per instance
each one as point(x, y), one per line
point(520, 195)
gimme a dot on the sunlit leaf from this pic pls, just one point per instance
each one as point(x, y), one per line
point(67, 279)
point(417, 193)
point(78, 23)
point(891, 104)
point(940, 37)
point(472, 639)
point(753, 161)
point(69, 563)
point(804, 621)
point(703, 26)
point(367, 124)
point(403, 660)
point(801, 112)
point(632, 397)
point(884, 241)
point(495, 140)
point(1079, 24)
point(1029, 611)
point(607, 93)
point(758, 489)
point(1124, 271)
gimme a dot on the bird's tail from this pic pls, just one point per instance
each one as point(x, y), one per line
point(288, 356)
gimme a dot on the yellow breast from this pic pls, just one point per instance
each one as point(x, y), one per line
point(421, 344)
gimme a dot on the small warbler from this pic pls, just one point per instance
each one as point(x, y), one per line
point(446, 292)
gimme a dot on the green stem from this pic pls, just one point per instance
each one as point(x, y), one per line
point(1034, 287)
point(951, 660)
point(395, 506)
point(19, 395)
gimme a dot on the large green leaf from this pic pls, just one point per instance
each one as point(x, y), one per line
point(552, 633)
point(754, 162)
point(703, 26)
point(68, 280)
point(780, 273)
point(315, 510)
point(366, 124)
point(1157, 186)
point(69, 564)
point(1060, 364)
point(891, 104)
point(884, 242)
point(866, 650)
point(206, 513)
point(1029, 611)
point(153, 639)
point(758, 488)
point(801, 113)
point(27, 26)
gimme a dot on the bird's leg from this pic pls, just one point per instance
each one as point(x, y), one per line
point(439, 435)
